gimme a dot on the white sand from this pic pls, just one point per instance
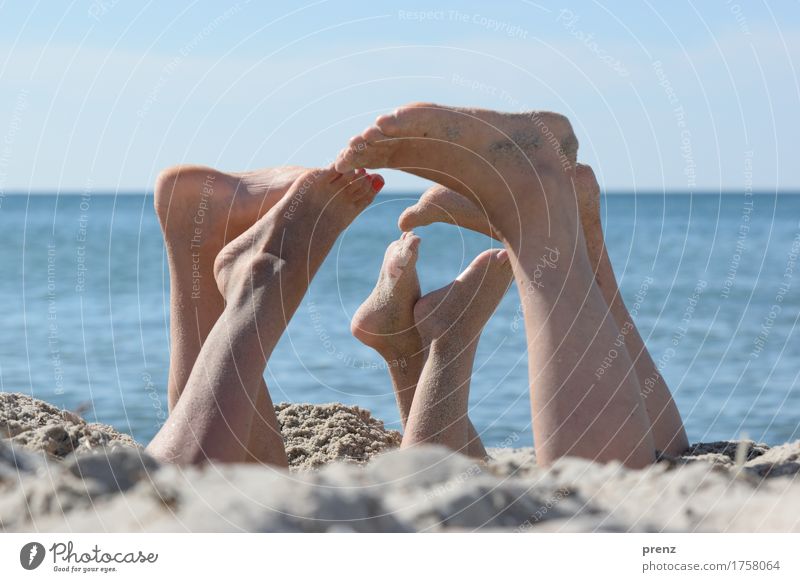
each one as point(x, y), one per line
point(108, 484)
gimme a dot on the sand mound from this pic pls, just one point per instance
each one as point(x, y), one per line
point(316, 434)
point(724, 453)
point(745, 456)
point(37, 425)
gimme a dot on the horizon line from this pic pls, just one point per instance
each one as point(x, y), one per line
point(611, 192)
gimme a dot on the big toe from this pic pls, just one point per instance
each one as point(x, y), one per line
point(588, 191)
point(404, 119)
point(390, 123)
point(402, 255)
point(585, 180)
point(410, 243)
point(488, 265)
point(412, 217)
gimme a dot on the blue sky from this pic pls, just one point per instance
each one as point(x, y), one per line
point(101, 94)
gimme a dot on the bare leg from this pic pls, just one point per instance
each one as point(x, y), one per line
point(520, 170)
point(385, 322)
point(263, 275)
point(450, 321)
point(666, 425)
point(200, 209)
point(440, 204)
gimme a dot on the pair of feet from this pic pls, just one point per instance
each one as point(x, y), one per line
point(230, 302)
point(520, 172)
point(428, 342)
point(395, 318)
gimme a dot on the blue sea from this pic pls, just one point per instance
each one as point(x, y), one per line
point(84, 295)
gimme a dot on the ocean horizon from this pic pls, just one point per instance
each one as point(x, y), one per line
point(416, 193)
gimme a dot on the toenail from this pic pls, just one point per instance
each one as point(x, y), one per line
point(377, 183)
point(502, 257)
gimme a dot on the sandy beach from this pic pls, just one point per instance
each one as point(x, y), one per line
point(60, 473)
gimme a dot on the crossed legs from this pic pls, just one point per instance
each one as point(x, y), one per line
point(429, 342)
point(440, 204)
point(520, 171)
point(261, 277)
point(201, 209)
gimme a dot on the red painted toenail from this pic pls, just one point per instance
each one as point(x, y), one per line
point(377, 183)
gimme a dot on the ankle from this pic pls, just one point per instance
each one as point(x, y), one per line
point(398, 348)
point(241, 276)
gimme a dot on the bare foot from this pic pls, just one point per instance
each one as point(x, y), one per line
point(504, 162)
point(385, 321)
point(461, 309)
point(318, 206)
point(201, 208)
point(450, 322)
point(441, 204)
